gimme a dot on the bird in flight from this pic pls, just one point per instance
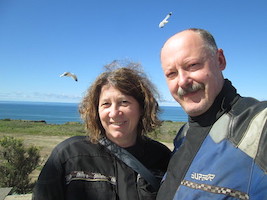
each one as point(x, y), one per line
point(165, 20)
point(70, 75)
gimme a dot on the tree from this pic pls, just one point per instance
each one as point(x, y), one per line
point(16, 164)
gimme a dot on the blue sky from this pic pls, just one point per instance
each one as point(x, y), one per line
point(41, 39)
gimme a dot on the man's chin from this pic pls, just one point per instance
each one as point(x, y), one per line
point(194, 109)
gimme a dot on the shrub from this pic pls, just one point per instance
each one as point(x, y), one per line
point(16, 164)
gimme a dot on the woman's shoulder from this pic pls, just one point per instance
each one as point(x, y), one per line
point(156, 145)
point(157, 154)
point(77, 145)
point(75, 140)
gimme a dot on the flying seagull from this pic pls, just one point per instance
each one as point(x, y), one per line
point(165, 20)
point(70, 75)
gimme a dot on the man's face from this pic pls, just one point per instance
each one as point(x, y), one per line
point(193, 73)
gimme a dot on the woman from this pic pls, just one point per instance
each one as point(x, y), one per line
point(116, 160)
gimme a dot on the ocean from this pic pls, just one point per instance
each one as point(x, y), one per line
point(60, 113)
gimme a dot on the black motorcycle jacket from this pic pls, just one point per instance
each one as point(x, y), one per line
point(80, 170)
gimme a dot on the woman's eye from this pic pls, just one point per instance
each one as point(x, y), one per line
point(124, 102)
point(105, 104)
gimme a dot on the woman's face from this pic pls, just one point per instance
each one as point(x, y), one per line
point(119, 115)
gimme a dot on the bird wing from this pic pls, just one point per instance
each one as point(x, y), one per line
point(167, 17)
point(70, 75)
point(164, 21)
point(74, 77)
point(161, 24)
point(64, 74)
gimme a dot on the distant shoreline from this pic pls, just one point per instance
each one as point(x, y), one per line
point(44, 121)
point(61, 113)
point(174, 104)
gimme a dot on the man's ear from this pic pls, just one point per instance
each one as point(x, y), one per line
point(221, 59)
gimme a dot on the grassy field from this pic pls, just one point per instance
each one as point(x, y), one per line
point(47, 136)
point(165, 133)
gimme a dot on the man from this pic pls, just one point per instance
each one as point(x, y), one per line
point(221, 153)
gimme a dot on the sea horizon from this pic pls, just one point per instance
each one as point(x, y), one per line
point(63, 112)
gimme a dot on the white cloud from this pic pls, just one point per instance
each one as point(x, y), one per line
point(38, 96)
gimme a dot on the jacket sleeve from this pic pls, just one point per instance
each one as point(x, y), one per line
point(50, 183)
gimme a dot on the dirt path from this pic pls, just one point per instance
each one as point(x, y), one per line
point(19, 197)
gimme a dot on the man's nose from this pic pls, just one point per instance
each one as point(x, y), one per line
point(184, 79)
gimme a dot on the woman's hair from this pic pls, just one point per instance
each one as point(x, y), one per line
point(130, 80)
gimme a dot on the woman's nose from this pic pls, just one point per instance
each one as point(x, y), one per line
point(114, 111)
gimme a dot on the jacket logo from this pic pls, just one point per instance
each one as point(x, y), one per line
point(202, 177)
point(89, 176)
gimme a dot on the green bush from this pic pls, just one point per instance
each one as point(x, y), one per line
point(16, 164)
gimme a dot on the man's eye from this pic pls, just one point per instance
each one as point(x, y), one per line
point(193, 66)
point(171, 74)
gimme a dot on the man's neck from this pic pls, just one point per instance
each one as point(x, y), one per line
point(221, 104)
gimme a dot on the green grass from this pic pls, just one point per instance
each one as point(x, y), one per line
point(165, 133)
point(41, 128)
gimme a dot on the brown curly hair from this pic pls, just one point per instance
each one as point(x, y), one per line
point(129, 80)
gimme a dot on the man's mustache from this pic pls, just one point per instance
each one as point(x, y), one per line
point(192, 88)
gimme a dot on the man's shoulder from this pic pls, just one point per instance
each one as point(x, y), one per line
point(248, 104)
point(247, 115)
point(248, 130)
